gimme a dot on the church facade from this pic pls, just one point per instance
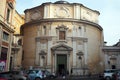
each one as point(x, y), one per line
point(62, 36)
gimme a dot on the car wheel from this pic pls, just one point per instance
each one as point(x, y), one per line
point(107, 78)
point(37, 78)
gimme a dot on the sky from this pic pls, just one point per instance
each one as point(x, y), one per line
point(109, 18)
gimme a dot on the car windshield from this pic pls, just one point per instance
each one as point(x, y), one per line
point(5, 75)
point(33, 71)
point(110, 71)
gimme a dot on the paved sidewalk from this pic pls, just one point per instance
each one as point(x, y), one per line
point(77, 78)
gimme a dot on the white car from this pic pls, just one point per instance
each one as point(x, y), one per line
point(36, 74)
point(108, 73)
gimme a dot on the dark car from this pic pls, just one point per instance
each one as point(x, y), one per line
point(18, 75)
point(116, 76)
point(13, 75)
point(5, 76)
point(3, 79)
point(49, 74)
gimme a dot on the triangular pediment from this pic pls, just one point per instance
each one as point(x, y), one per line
point(61, 47)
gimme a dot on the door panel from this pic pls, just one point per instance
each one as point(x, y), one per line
point(61, 64)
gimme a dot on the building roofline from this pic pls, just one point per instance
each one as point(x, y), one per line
point(19, 14)
point(48, 3)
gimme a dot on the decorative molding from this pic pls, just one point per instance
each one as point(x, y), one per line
point(61, 47)
point(80, 38)
point(63, 20)
point(80, 53)
point(62, 12)
point(42, 52)
point(62, 28)
point(48, 38)
point(35, 15)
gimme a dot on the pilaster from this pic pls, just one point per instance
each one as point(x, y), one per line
point(37, 59)
point(85, 51)
point(46, 11)
point(74, 52)
point(106, 60)
point(82, 31)
point(49, 53)
point(76, 11)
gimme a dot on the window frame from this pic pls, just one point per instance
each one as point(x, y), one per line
point(5, 36)
point(64, 29)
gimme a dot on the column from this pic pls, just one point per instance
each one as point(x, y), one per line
point(37, 62)
point(118, 60)
point(9, 52)
point(68, 62)
point(41, 61)
point(46, 12)
point(74, 52)
point(0, 38)
point(85, 52)
point(82, 31)
point(49, 53)
point(55, 62)
point(77, 11)
point(74, 46)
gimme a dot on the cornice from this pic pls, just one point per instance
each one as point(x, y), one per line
point(62, 20)
point(49, 38)
point(80, 38)
point(6, 26)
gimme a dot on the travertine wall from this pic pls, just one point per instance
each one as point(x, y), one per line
point(83, 35)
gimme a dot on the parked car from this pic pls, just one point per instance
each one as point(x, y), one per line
point(36, 74)
point(49, 74)
point(13, 75)
point(3, 79)
point(108, 73)
point(5, 76)
point(116, 76)
point(18, 75)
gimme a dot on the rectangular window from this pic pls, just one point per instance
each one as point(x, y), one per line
point(3, 54)
point(44, 30)
point(61, 35)
point(8, 15)
point(5, 36)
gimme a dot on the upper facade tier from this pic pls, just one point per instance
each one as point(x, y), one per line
point(61, 9)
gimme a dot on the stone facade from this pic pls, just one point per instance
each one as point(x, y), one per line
point(112, 56)
point(6, 33)
point(16, 54)
point(62, 36)
point(10, 22)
